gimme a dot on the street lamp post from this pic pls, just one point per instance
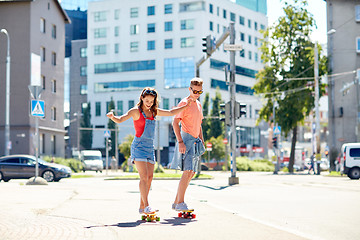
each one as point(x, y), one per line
point(7, 104)
point(317, 113)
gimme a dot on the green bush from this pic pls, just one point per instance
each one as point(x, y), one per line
point(74, 164)
point(258, 165)
point(126, 168)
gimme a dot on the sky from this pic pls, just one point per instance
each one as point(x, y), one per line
point(316, 7)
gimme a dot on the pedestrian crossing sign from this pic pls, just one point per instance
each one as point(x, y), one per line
point(38, 108)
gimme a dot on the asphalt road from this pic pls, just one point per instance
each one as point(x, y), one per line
point(262, 206)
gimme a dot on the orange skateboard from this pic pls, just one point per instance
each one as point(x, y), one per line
point(187, 214)
point(149, 217)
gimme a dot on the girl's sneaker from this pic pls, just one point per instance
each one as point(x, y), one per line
point(149, 210)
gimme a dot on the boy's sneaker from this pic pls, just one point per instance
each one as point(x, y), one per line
point(173, 206)
point(141, 210)
point(181, 207)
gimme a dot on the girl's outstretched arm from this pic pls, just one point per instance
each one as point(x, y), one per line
point(134, 113)
point(175, 110)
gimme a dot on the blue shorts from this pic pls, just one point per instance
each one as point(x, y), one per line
point(148, 160)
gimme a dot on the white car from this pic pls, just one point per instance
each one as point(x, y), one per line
point(351, 159)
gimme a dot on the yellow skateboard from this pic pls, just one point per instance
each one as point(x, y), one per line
point(149, 217)
point(187, 214)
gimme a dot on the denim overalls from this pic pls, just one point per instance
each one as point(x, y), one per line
point(142, 148)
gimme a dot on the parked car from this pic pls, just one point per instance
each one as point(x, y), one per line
point(351, 159)
point(23, 167)
point(324, 164)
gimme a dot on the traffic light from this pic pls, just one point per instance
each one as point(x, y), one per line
point(225, 111)
point(207, 44)
point(108, 142)
point(240, 110)
point(274, 142)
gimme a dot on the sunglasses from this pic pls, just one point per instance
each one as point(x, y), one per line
point(149, 92)
point(196, 91)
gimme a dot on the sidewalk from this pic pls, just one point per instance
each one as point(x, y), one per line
point(92, 208)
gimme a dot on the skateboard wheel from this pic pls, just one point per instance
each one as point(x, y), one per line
point(148, 219)
point(186, 215)
point(179, 214)
point(194, 216)
point(158, 219)
point(143, 217)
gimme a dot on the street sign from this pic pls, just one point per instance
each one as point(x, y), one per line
point(225, 141)
point(35, 91)
point(107, 133)
point(233, 47)
point(38, 108)
point(277, 130)
point(209, 146)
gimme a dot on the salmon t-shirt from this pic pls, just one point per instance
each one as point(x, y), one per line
point(191, 118)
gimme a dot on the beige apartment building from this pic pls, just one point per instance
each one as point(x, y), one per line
point(36, 31)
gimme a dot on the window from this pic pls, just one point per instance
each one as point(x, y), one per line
point(176, 101)
point(83, 71)
point(249, 39)
point(42, 25)
point(249, 23)
point(151, 10)
point(131, 104)
point(218, 11)
point(84, 106)
point(116, 48)
point(187, 42)
point(134, 12)
point(53, 31)
point(151, 27)
point(110, 87)
point(224, 13)
point(218, 28)
point(211, 10)
point(354, 152)
point(255, 25)
point(99, 49)
point(242, 53)
point(43, 81)
point(83, 52)
point(116, 31)
point(168, 43)
point(134, 29)
point(53, 113)
point(357, 13)
point(97, 109)
point(53, 58)
point(100, 33)
point(187, 24)
point(219, 65)
point(53, 144)
point(256, 41)
point(151, 45)
point(211, 26)
point(42, 143)
point(117, 14)
point(358, 44)
point(53, 86)
point(168, 26)
point(242, 37)
point(166, 103)
point(232, 16)
point(256, 55)
point(168, 8)
point(83, 89)
point(100, 16)
point(242, 20)
point(250, 55)
point(125, 66)
point(178, 71)
point(42, 54)
point(192, 6)
point(119, 107)
point(262, 27)
point(134, 46)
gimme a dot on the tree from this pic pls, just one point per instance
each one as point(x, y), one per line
point(216, 126)
point(126, 146)
point(86, 136)
point(112, 126)
point(206, 121)
point(288, 77)
point(218, 148)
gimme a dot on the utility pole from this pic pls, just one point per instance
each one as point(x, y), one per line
point(277, 167)
point(7, 93)
point(233, 179)
point(317, 113)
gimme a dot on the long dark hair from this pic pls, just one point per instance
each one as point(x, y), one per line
point(152, 92)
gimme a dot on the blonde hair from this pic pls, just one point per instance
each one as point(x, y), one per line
point(155, 105)
point(196, 82)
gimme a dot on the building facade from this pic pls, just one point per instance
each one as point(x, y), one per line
point(343, 26)
point(37, 38)
point(137, 44)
